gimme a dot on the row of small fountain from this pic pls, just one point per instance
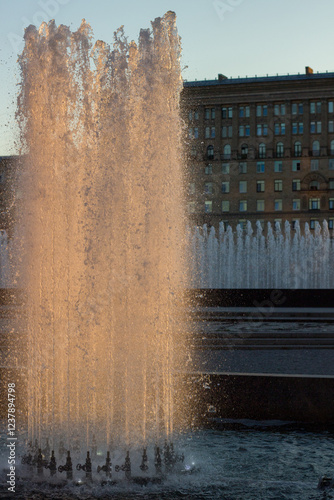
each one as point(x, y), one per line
point(278, 258)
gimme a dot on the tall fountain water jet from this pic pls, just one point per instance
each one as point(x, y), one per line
point(102, 226)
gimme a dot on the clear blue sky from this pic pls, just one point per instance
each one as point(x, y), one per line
point(233, 37)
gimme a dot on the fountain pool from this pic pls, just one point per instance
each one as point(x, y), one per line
point(256, 461)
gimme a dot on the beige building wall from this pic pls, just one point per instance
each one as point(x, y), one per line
point(261, 149)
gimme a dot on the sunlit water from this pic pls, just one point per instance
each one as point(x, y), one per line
point(102, 227)
point(248, 464)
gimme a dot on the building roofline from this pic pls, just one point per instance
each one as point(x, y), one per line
point(258, 79)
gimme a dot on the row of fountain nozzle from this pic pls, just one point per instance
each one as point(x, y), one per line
point(170, 458)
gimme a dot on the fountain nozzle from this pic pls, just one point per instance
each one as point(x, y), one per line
point(87, 467)
point(106, 467)
point(52, 465)
point(126, 467)
point(144, 461)
point(68, 468)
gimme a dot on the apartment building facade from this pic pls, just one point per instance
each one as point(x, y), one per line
point(261, 149)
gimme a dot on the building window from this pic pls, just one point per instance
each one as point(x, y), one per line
point(296, 164)
point(208, 169)
point(190, 116)
point(210, 152)
point(314, 186)
point(314, 204)
point(242, 186)
point(331, 203)
point(262, 150)
point(247, 130)
point(278, 185)
point(313, 223)
point(241, 131)
point(296, 185)
point(331, 164)
point(227, 131)
point(331, 184)
point(244, 111)
point(330, 107)
point(193, 152)
point(196, 133)
point(227, 152)
point(314, 164)
point(332, 148)
point(315, 107)
point(279, 109)
point(242, 223)
point(260, 205)
point(297, 108)
point(225, 168)
point(262, 130)
point(298, 148)
point(210, 114)
point(196, 115)
point(297, 128)
point(315, 127)
point(210, 132)
point(192, 188)
point(208, 207)
point(243, 206)
point(225, 187)
point(330, 223)
point(296, 204)
point(331, 126)
point(225, 206)
point(279, 150)
point(279, 128)
point(260, 186)
point(190, 133)
point(278, 205)
point(243, 167)
point(315, 148)
point(244, 151)
point(227, 113)
point(262, 110)
point(278, 166)
point(260, 167)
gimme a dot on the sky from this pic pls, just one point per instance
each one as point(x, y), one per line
point(233, 37)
